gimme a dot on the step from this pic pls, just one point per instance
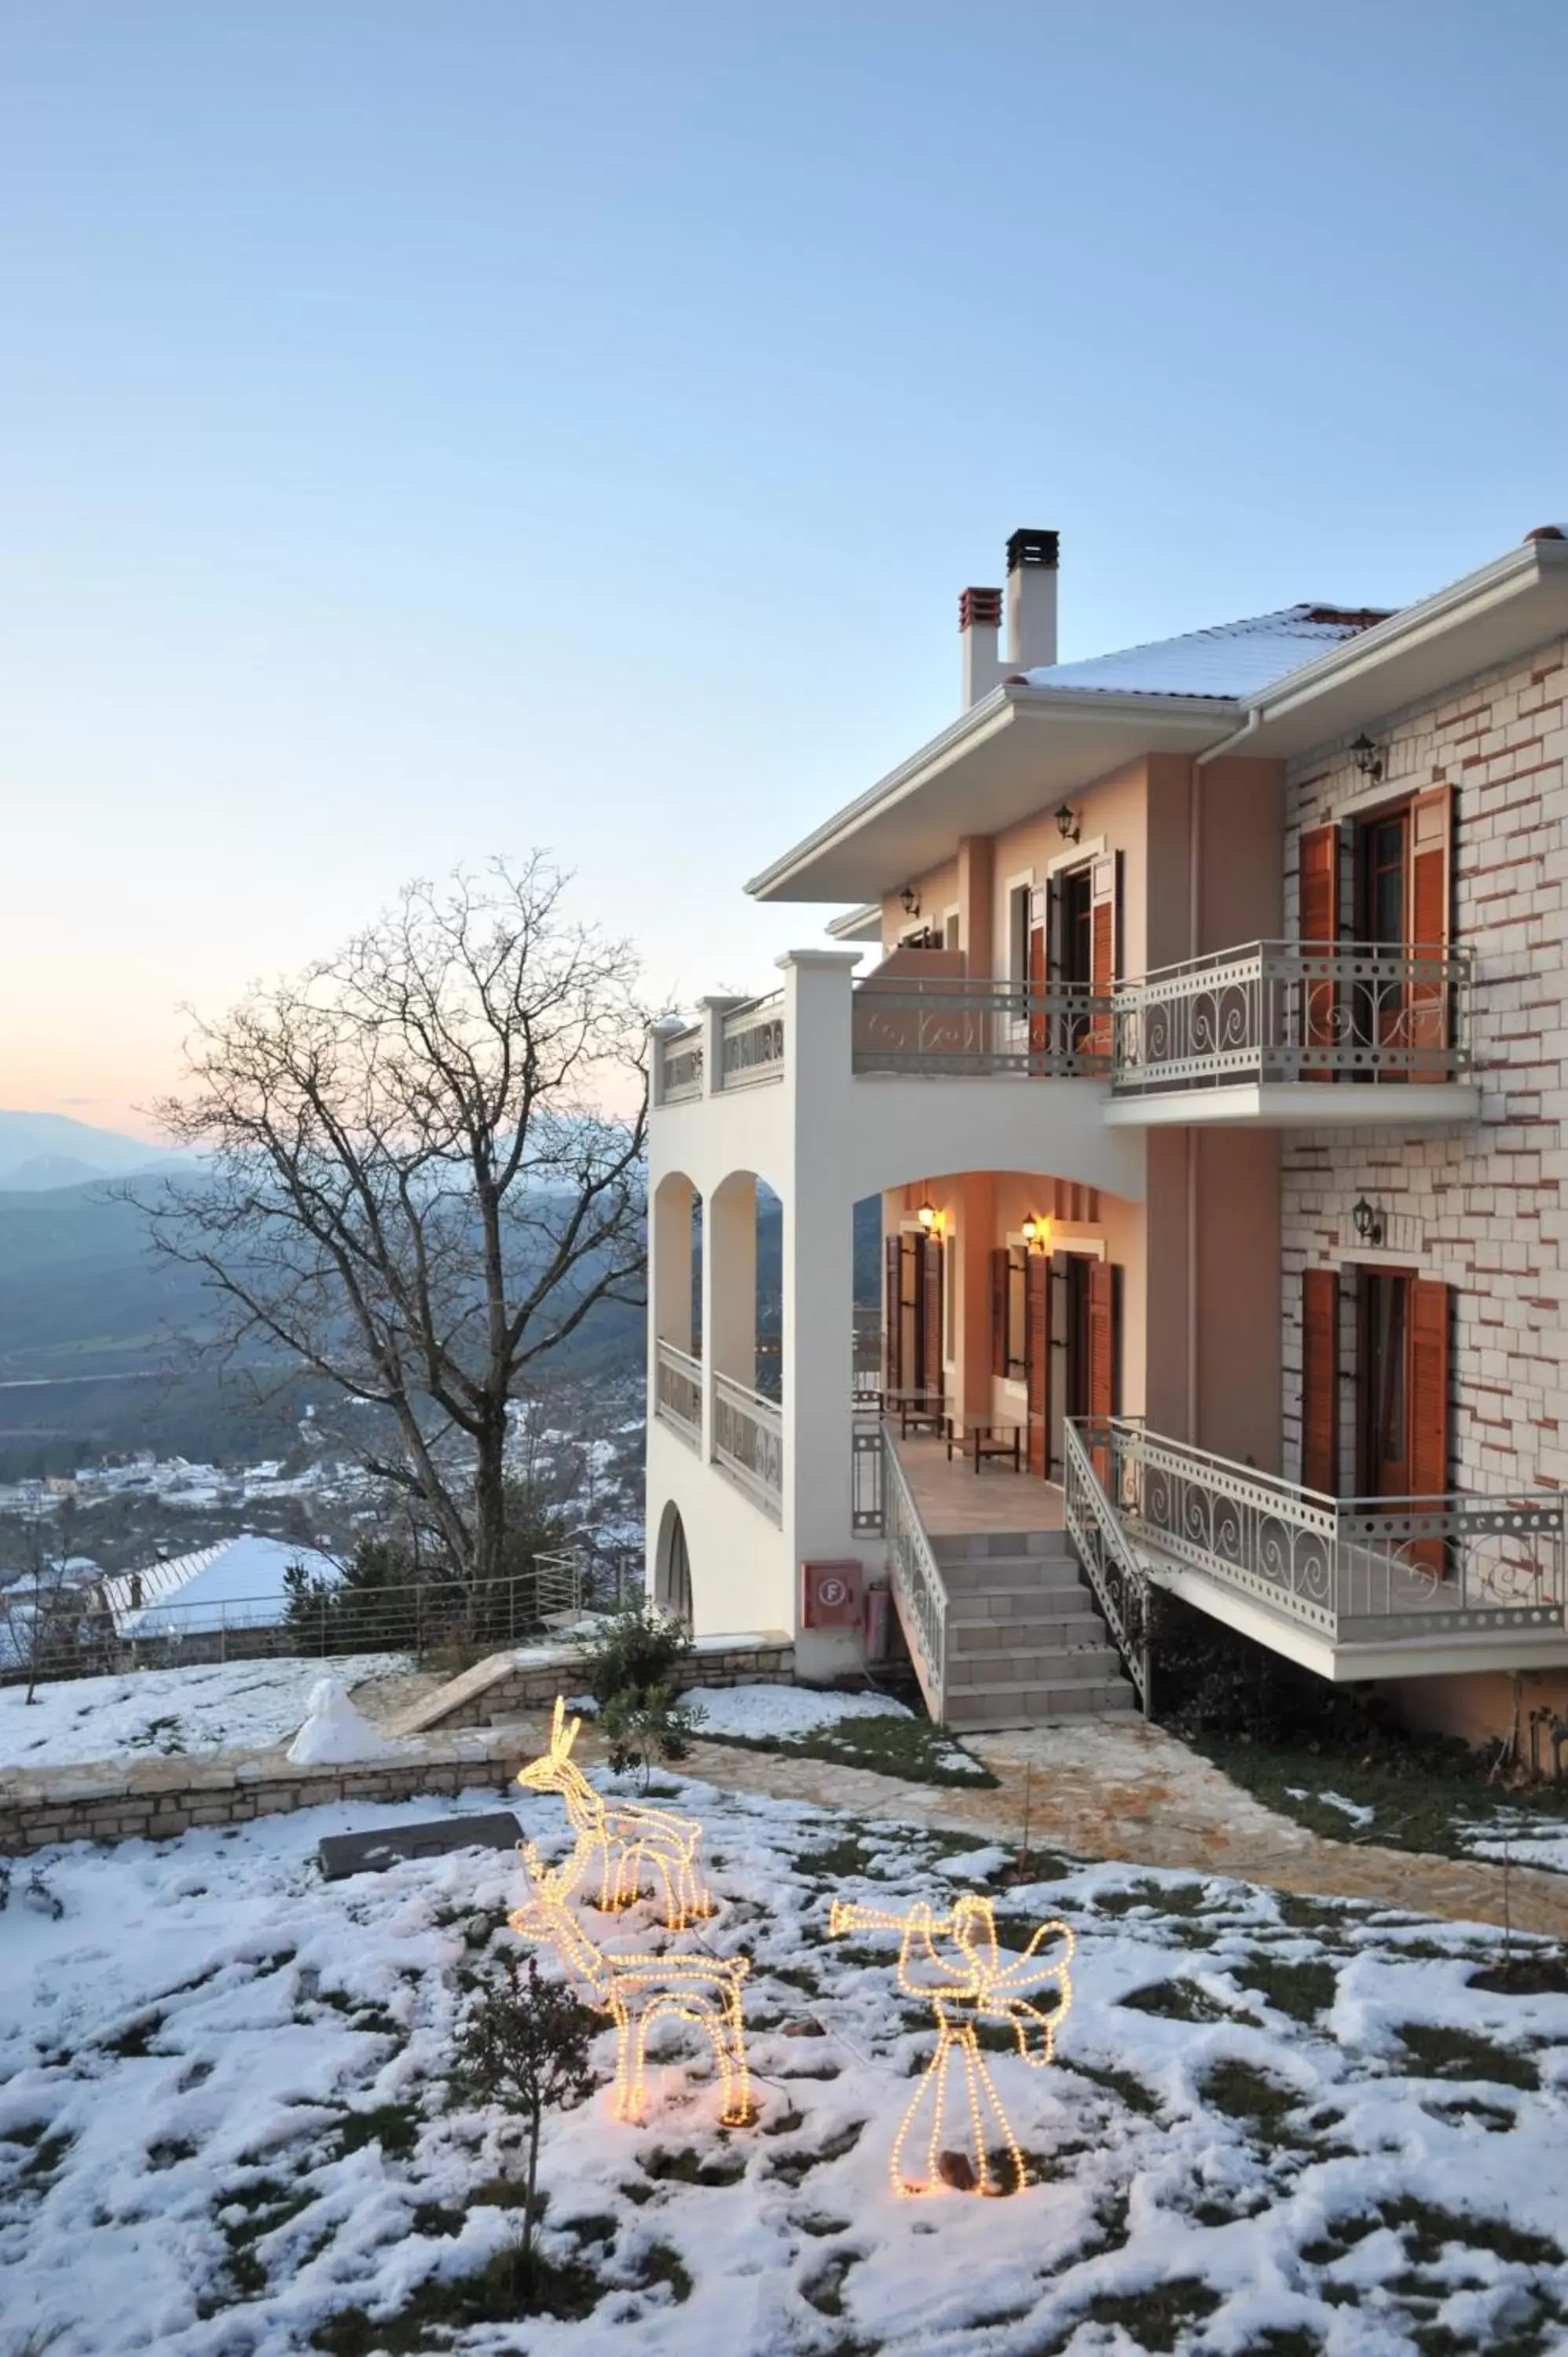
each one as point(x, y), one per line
point(1034, 1575)
point(961, 1546)
point(992, 1633)
point(972, 1711)
point(1047, 1666)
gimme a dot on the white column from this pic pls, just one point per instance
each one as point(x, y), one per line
point(729, 1279)
point(819, 1259)
point(711, 1014)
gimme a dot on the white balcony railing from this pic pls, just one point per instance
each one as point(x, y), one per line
point(1354, 1570)
point(1282, 1011)
point(680, 1065)
point(748, 1442)
point(950, 1024)
point(678, 1400)
point(754, 1043)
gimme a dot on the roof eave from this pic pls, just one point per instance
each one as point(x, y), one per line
point(1184, 718)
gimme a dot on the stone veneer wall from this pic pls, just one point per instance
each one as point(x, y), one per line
point(1479, 1208)
point(532, 1685)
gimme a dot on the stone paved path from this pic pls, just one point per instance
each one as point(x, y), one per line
point(1118, 1789)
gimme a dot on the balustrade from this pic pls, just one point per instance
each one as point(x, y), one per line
point(679, 1392)
point(748, 1442)
point(754, 1043)
point(950, 1024)
point(680, 1065)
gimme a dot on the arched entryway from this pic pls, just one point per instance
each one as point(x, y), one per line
point(672, 1569)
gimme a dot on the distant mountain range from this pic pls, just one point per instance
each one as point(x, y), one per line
point(40, 1151)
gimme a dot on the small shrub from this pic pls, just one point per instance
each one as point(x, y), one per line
point(524, 2046)
point(635, 1667)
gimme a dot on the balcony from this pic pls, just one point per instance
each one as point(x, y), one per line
point(678, 1394)
point(749, 1443)
point(1359, 1587)
point(950, 1027)
point(1278, 1033)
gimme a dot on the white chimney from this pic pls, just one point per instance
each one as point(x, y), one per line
point(1031, 600)
point(979, 619)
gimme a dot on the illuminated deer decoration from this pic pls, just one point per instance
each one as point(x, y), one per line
point(637, 1848)
point(967, 1979)
point(636, 1991)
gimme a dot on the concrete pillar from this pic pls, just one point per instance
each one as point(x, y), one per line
point(976, 1235)
point(670, 1261)
point(976, 868)
point(711, 1015)
point(819, 1268)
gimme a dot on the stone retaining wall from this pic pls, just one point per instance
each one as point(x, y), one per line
point(505, 1684)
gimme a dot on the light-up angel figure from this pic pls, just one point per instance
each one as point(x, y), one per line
point(954, 1961)
point(634, 1849)
point(636, 1991)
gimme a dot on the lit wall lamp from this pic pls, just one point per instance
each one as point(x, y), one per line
point(1036, 1233)
point(1369, 1222)
point(911, 900)
point(1366, 757)
point(1066, 824)
point(930, 1218)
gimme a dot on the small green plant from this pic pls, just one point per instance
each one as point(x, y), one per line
point(524, 2046)
point(635, 1668)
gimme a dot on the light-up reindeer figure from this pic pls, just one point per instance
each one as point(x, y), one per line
point(637, 1991)
point(967, 1979)
point(637, 1848)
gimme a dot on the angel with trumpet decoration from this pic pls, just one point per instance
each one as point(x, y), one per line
point(955, 1962)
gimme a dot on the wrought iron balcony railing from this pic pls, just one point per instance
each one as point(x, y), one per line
point(1354, 1570)
point(953, 1025)
point(678, 1399)
point(1275, 1011)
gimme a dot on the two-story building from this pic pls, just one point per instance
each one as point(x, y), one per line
point(1209, 1070)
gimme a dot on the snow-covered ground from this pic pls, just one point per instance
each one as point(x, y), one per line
point(225, 1706)
point(227, 2116)
point(770, 1714)
point(1523, 1836)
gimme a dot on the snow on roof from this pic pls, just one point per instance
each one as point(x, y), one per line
point(241, 1571)
point(1235, 658)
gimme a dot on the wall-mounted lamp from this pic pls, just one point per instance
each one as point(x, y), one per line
point(1368, 1223)
point(1036, 1231)
point(911, 900)
point(1066, 824)
point(930, 1218)
point(1366, 757)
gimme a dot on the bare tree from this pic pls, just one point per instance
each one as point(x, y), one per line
point(420, 1177)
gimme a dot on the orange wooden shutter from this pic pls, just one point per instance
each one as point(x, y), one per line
point(1319, 930)
point(1037, 1354)
point(1320, 1380)
point(1102, 1339)
point(1427, 1409)
point(931, 1313)
point(999, 1263)
point(1427, 902)
point(1101, 948)
point(894, 1321)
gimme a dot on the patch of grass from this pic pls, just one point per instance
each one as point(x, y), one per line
point(689, 2166)
point(47, 2150)
point(790, 2168)
point(1426, 2231)
point(135, 2039)
point(1493, 2118)
point(1301, 1990)
point(1527, 1973)
point(660, 2264)
point(1425, 1795)
point(1179, 1899)
point(1154, 2321)
point(1120, 2084)
point(824, 2290)
point(911, 1749)
point(394, 2127)
point(168, 2150)
point(851, 1854)
point(1182, 2001)
point(1445, 2053)
point(1244, 2094)
point(503, 2292)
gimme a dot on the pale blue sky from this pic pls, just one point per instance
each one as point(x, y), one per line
point(430, 430)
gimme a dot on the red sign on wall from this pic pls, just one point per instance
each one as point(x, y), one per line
point(832, 1594)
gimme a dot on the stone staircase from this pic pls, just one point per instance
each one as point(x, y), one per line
point(1025, 1642)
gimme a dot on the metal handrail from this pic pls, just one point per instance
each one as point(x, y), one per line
point(1120, 1582)
point(960, 1025)
point(916, 1576)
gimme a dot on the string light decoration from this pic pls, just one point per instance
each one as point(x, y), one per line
point(637, 1991)
point(634, 1849)
point(975, 1981)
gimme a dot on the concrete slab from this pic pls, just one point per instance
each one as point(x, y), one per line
point(345, 1853)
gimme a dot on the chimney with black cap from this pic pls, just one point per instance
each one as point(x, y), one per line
point(1031, 600)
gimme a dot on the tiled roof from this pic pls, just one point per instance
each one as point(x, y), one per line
point(1235, 658)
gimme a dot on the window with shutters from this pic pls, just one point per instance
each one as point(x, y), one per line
point(1017, 1313)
